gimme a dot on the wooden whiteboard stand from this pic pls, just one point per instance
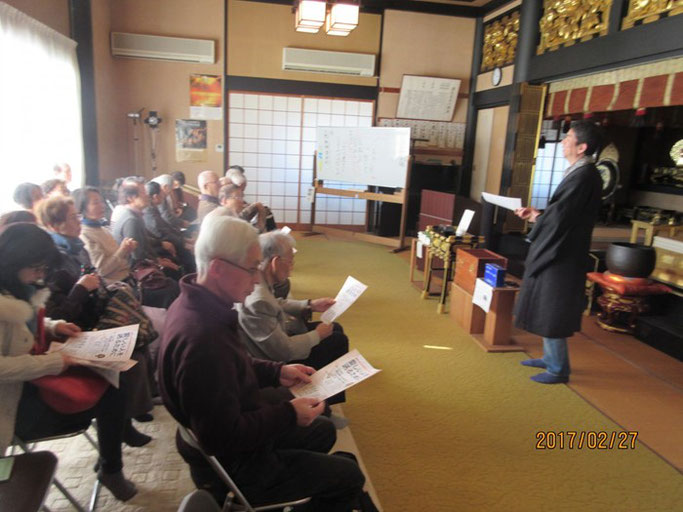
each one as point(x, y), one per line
point(398, 197)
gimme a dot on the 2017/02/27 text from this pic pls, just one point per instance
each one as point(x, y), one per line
point(591, 440)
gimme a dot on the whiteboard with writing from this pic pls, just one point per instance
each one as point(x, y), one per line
point(424, 97)
point(372, 155)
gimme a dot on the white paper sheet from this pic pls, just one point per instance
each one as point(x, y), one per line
point(511, 203)
point(107, 352)
point(483, 294)
point(286, 230)
point(104, 346)
point(348, 294)
point(210, 113)
point(465, 222)
point(109, 371)
point(347, 371)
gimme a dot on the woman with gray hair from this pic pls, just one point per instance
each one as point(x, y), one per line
point(280, 329)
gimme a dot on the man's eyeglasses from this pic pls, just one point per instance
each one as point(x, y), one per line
point(250, 271)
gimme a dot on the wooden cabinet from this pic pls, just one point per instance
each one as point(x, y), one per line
point(470, 264)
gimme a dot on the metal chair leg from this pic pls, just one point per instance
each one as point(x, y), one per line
point(69, 496)
point(94, 495)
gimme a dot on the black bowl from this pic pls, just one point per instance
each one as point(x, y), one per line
point(630, 260)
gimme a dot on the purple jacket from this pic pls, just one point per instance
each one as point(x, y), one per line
point(209, 382)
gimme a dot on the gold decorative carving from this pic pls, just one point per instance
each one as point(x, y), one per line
point(500, 42)
point(650, 10)
point(564, 22)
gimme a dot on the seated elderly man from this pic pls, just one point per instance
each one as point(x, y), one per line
point(167, 207)
point(208, 199)
point(235, 175)
point(232, 197)
point(157, 226)
point(209, 383)
point(278, 329)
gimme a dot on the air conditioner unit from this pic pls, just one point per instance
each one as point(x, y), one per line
point(318, 61)
point(142, 46)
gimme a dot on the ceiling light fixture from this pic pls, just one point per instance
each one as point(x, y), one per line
point(340, 18)
point(310, 15)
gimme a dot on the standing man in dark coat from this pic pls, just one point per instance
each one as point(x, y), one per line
point(552, 297)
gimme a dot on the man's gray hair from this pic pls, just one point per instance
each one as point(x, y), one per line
point(236, 177)
point(204, 178)
point(165, 180)
point(275, 243)
point(223, 237)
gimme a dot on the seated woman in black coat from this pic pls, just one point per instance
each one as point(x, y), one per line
point(78, 296)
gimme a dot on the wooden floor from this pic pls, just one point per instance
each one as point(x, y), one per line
point(633, 384)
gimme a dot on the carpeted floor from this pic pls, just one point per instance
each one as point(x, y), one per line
point(455, 428)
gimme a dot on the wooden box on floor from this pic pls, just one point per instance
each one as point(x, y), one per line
point(470, 264)
point(493, 330)
point(468, 316)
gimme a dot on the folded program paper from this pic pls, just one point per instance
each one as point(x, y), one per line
point(341, 374)
point(348, 294)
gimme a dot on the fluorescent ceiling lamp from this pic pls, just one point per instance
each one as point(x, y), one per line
point(343, 17)
point(310, 14)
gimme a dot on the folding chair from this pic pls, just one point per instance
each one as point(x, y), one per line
point(29, 481)
point(234, 492)
point(28, 446)
point(199, 501)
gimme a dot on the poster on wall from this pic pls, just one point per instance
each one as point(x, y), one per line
point(206, 97)
point(427, 98)
point(190, 140)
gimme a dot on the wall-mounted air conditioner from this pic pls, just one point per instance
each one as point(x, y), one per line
point(142, 46)
point(318, 61)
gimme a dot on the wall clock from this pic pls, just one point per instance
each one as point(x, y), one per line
point(496, 76)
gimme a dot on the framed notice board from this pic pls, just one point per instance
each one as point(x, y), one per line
point(427, 98)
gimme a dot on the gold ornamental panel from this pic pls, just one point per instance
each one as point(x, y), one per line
point(650, 10)
point(565, 22)
point(500, 42)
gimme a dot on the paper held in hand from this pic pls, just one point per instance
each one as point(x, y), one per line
point(511, 203)
point(348, 294)
point(107, 352)
point(345, 372)
point(109, 349)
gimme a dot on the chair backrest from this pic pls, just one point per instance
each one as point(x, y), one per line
point(198, 501)
point(188, 436)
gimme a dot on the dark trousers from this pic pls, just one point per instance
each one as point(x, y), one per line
point(329, 349)
point(36, 420)
point(295, 467)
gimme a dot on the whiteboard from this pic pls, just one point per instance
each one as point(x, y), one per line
point(424, 97)
point(372, 156)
